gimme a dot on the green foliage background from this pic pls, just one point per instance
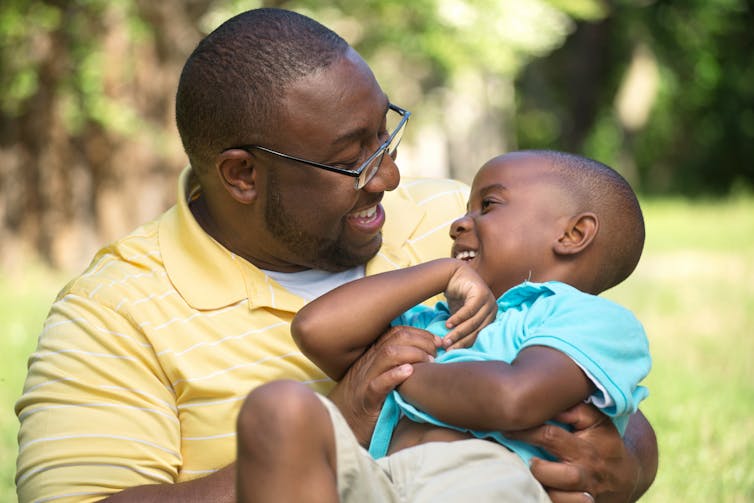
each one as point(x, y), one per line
point(76, 122)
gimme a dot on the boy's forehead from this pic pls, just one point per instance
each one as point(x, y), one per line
point(524, 168)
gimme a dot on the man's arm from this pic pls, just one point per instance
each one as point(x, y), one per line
point(593, 457)
point(93, 398)
point(220, 487)
point(494, 395)
point(335, 329)
point(359, 396)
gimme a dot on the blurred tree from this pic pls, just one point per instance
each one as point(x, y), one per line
point(88, 147)
point(85, 117)
point(690, 131)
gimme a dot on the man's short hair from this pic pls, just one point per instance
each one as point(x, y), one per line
point(232, 84)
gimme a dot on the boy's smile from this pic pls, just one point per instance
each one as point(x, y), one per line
point(515, 215)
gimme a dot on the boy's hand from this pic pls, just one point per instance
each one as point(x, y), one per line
point(472, 305)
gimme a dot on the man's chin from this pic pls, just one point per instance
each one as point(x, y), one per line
point(340, 259)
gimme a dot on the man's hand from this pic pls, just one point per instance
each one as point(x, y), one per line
point(385, 365)
point(593, 459)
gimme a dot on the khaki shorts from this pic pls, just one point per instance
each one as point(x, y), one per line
point(466, 470)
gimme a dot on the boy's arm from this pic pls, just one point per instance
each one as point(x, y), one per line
point(494, 395)
point(335, 329)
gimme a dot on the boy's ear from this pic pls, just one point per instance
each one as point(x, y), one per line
point(578, 234)
point(237, 174)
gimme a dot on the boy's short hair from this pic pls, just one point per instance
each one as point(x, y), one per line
point(597, 187)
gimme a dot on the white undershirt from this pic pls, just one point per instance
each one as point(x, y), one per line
point(312, 283)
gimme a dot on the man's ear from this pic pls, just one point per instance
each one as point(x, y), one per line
point(235, 168)
point(578, 234)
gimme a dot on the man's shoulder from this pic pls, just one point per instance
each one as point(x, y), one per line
point(440, 200)
point(422, 190)
point(134, 258)
point(419, 214)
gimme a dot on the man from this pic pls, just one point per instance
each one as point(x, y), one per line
point(146, 357)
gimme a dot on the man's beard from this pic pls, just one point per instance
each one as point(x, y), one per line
point(316, 251)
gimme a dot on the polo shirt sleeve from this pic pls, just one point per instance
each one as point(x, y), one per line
point(604, 339)
point(97, 413)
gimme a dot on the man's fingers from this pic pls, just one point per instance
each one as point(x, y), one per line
point(393, 355)
point(554, 439)
point(409, 336)
point(570, 497)
point(569, 479)
point(549, 473)
point(383, 384)
point(581, 416)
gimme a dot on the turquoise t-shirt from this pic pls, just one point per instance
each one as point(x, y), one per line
point(603, 338)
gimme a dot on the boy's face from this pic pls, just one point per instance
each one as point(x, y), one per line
point(517, 210)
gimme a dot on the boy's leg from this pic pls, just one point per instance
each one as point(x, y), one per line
point(286, 446)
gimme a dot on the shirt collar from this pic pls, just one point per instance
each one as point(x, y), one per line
point(209, 276)
point(206, 274)
point(529, 291)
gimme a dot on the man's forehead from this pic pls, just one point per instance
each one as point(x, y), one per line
point(342, 101)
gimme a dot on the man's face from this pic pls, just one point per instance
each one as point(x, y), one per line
point(315, 218)
point(515, 214)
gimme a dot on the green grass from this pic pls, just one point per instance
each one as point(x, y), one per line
point(694, 291)
point(25, 297)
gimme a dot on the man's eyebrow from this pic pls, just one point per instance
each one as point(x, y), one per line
point(358, 132)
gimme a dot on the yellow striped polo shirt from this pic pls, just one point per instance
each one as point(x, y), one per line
point(145, 359)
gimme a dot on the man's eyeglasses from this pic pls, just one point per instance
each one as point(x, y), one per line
point(368, 168)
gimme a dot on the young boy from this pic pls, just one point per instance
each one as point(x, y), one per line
point(545, 232)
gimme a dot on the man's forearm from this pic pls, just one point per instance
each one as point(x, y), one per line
point(220, 487)
point(640, 439)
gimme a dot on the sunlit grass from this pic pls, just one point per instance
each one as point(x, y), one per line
point(694, 291)
point(25, 297)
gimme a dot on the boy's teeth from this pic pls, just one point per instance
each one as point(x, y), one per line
point(466, 255)
point(367, 213)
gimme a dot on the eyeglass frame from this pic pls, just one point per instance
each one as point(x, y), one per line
point(354, 173)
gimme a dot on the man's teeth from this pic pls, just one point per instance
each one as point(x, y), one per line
point(466, 255)
point(367, 213)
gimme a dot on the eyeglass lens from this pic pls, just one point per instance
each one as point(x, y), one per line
point(368, 173)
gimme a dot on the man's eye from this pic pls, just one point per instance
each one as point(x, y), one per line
point(349, 166)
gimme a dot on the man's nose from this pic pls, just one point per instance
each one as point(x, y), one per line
point(387, 177)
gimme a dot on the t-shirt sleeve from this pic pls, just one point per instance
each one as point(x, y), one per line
point(603, 338)
point(97, 413)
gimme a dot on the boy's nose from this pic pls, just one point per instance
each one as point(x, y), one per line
point(460, 226)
